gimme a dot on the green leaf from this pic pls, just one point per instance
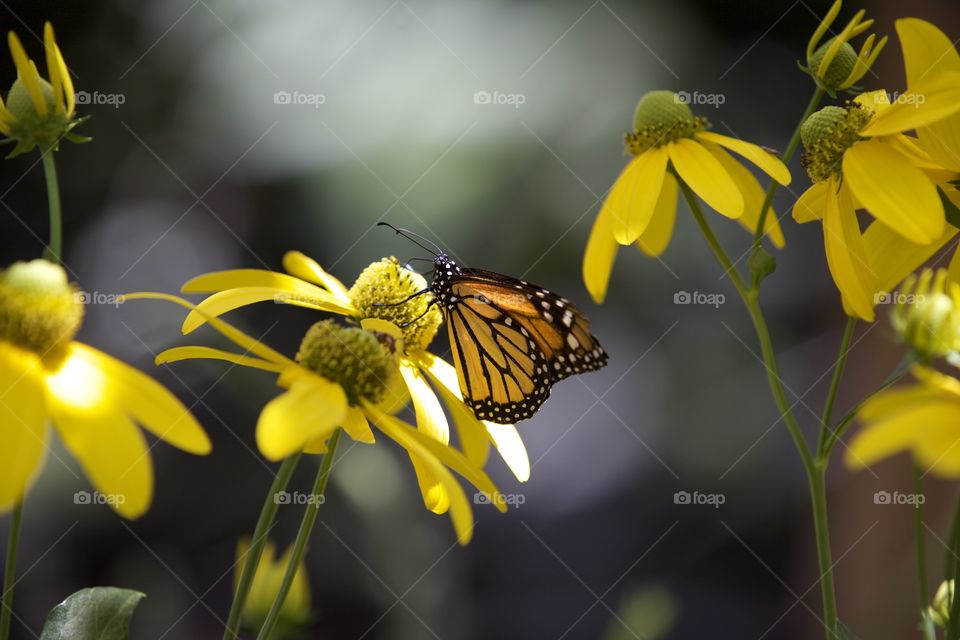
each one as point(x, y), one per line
point(761, 264)
point(97, 613)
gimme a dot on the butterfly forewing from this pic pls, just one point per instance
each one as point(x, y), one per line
point(511, 340)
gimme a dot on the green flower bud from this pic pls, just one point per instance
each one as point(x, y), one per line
point(352, 357)
point(927, 315)
point(39, 310)
point(839, 68)
point(661, 117)
point(826, 136)
point(939, 611)
point(384, 284)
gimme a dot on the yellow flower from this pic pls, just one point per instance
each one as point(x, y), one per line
point(38, 111)
point(835, 65)
point(670, 142)
point(858, 158)
point(93, 400)
point(923, 418)
point(346, 378)
point(939, 611)
point(927, 315)
point(295, 612)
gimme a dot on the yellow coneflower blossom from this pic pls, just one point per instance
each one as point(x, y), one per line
point(373, 297)
point(923, 418)
point(93, 400)
point(668, 143)
point(858, 157)
point(926, 315)
point(295, 612)
point(38, 111)
point(343, 378)
point(836, 65)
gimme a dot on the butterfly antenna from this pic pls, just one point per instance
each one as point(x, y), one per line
point(414, 238)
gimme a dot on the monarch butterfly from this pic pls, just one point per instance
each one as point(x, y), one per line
point(511, 341)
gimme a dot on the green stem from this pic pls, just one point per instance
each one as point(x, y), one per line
point(953, 568)
point(303, 537)
point(926, 623)
point(818, 495)
point(839, 366)
point(267, 515)
point(10, 570)
point(815, 468)
point(55, 248)
point(786, 157)
point(749, 297)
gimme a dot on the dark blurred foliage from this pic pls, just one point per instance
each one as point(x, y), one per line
point(200, 170)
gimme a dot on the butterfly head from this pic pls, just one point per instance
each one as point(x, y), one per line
point(444, 268)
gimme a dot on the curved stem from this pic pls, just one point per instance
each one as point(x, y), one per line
point(926, 624)
point(303, 537)
point(749, 297)
point(839, 366)
point(55, 248)
point(10, 570)
point(786, 157)
point(264, 522)
point(815, 468)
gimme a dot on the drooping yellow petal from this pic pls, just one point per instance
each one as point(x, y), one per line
point(430, 417)
point(634, 195)
point(924, 104)
point(706, 176)
point(927, 53)
point(892, 257)
point(811, 205)
point(28, 74)
point(764, 160)
point(475, 435)
point(406, 436)
point(236, 336)
point(311, 408)
point(823, 27)
point(49, 46)
point(110, 448)
point(230, 299)
point(305, 268)
point(846, 255)
point(654, 240)
point(357, 427)
point(140, 396)
point(894, 191)
point(434, 492)
point(68, 92)
point(23, 436)
point(753, 196)
point(599, 256)
point(509, 445)
point(177, 354)
point(938, 448)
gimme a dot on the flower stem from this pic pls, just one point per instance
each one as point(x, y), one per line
point(303, 537)
point(55, 248)
point(787, 155)
point(267, 514)
point(839, 366)
point(926, 623)
point(10, 570)
point(815, 468)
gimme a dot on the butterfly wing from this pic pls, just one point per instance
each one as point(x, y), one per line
point(511, 341)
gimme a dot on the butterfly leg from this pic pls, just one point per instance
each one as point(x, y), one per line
point(425, 312)
point(404, 301)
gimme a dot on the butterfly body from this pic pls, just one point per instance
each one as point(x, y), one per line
point(511, 341)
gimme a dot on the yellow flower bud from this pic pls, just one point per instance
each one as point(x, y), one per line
point(836, 65)
point(295, 612)
point(927, 315)
point(939, 611)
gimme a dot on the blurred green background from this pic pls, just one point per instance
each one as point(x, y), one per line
point(200, 162)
